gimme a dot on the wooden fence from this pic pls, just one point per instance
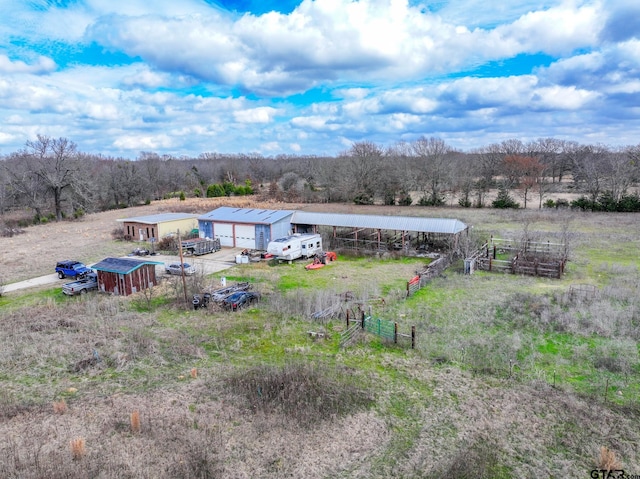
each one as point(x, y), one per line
point(528, 258)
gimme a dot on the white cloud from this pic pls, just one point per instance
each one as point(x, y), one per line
point(255, 115)
point(41, 65)
point(328, 41)
point(150, 142)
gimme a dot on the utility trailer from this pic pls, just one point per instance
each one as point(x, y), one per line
point(199, 246)
point(295, 246)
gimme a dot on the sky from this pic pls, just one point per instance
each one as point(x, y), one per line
point(312, 77)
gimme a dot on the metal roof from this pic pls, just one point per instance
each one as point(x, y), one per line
point(159, 218)
point(245, 215)
point(121, 265)
point(398, 223)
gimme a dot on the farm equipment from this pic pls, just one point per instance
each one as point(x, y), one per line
point(320, 259)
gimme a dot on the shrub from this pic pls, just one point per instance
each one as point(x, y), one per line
point(549, 204)
point(118, 234)
point(302, 392)
point(182, 196)
point(432, 200)
point(607, 460)
point(363, 199)
point(464, 202)
point(504, 200)
point(405, 199)
point(583, 203)
point(215, 191)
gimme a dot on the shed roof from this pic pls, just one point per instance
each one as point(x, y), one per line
point(246, 215)
point(398, 223)
point(159, 218)
point(121, 265)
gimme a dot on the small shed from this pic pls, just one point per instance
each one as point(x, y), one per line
point(125, 276)
point(245, 227)
point(155, 227)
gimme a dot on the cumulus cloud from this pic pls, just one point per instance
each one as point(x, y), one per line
point(334, 41)
point(41, 65)
point(255, 115)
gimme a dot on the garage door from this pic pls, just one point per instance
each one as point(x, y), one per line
point(224, 232)
point(245, 236)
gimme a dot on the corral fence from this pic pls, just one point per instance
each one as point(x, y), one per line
point(422, 278)
point(384, 329)
point(527, 257)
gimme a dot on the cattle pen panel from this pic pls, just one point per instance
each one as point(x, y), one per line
point(529, 258)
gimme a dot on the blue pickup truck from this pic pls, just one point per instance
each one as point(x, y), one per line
point(71, 269)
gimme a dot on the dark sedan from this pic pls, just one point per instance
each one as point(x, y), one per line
point(240, 299)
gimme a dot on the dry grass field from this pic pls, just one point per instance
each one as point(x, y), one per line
point(511, 376)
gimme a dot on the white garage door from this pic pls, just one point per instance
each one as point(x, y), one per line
point(245, 236)
point(224, 232)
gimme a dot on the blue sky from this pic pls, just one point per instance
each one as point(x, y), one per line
point(311, 77)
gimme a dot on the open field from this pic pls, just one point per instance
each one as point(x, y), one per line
point(512, 376)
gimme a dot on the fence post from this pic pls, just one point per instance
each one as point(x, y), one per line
point(413, 337)
point(362, 321)
point(395, 333)
point(348, 318)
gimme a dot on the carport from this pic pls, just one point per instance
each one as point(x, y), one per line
point(380, 232)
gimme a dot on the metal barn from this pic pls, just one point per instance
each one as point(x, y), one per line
point(125, 276)
point(245, 227)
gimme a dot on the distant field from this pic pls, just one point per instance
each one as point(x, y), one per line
point(512, 376)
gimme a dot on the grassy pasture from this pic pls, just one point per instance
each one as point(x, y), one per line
point(512, 377)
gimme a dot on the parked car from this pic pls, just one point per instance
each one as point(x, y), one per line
point(175, 268)
point(240, 299)
point(89, 283)
point(72, 269)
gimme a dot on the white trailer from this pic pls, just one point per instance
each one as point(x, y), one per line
point(295, 246)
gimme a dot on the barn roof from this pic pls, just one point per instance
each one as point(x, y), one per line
point(246, 215)
point(398, 223)
point(121, 265)
point(159, 218)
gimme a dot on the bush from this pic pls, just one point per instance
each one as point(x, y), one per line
point(182, 196)
point(118, 234)
point(305, 393)
point(215, 191)
point(405, 199)
point(583, 203)
point(363, 199)
point(549, 204)
point(432, 200)
point(504, 200)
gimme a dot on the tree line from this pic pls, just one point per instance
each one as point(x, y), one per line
point(55, 180)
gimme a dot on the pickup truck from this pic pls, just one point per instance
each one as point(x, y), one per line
point(71, 269)
point(81, 286)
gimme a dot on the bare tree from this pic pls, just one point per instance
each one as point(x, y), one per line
point(363, 162)
point(55, 165)
point(431, 155)
point(589, 168)
point(27, 186)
